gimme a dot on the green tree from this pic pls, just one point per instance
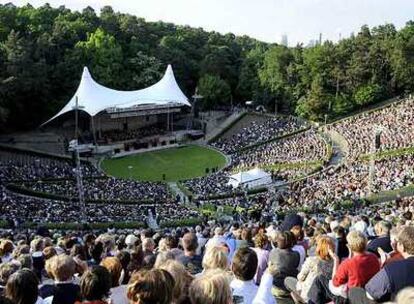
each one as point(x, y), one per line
point(103, 55)
point(215, 91)
point(368, 94)
point(274, 75)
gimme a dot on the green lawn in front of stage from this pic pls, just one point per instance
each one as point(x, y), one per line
point(176, 163)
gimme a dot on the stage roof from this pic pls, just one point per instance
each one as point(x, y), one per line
point(93, 97)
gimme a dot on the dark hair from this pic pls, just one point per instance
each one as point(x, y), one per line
point(96, 252)
point(22, 287)
point(151, 286)
point(95, 284)
point(244, 264)
point(125, 258)
point(78, 251)
point(285, 240)
point(171, 242)
point(190, 242)
point(4, 300)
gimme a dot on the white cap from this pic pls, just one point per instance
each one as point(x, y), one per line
point(131, 239)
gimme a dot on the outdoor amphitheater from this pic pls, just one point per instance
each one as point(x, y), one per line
point(144, 162)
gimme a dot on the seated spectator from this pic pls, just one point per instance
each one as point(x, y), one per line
point(285, 260)
point(261, 243)
point(321, 264)
point(148, 246)
point(355, 271)
point(393, 277)
point(217, 240)
point(6, 270)
point(244, 267)
point(61, 269)
point(190, 259)
point(25, 261)
point(382, 231)
point(151, 286)
point(118, 291)
point(394, 255)
point(215, 258)
point(124, 258)
point(342, 250)
point(22, 288)
point(95, 286)
point(182, 280)
point(36, 247)
point(211, 288)
point(6, 250)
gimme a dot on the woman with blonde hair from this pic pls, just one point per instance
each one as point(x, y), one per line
point(215, 258)
point(211, 288)
point(182, 279)
point(320, 264)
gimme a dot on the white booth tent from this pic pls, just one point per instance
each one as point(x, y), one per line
point(93, 97)
point(250, 179)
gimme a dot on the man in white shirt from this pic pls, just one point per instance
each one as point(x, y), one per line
point(244, 269)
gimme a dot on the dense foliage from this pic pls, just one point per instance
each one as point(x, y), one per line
point(43, 50)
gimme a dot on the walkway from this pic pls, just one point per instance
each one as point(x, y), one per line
point(177, 191)
point(217, 130)
point(339, 147)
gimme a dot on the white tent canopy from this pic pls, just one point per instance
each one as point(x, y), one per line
point(94, 98)
point(250, 179)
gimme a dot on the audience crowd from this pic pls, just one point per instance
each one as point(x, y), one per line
point(395, 122)
point(311, 241)
point(304, 147)
point(354, 256)
point(107, 189)
point(258, 132)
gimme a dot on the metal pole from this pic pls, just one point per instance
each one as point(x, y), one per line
point(76, 118)
point(371, 176)
point(93, 131)
point(168, 117)
point(172, 121)
point(79, 185)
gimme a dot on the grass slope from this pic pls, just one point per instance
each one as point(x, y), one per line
point(176, 163)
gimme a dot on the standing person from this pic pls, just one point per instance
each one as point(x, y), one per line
point(118, 291)
point(261, 242)
point(151, 286)
point(285, 260)
point(355, 271)
point(217, 240)
point(320, 264)
point(22, 288)
point(244, 269)
point(395, 276)
point(191, 261)
point(383, 240)
point(211, 288)
point(95, 286)
point(63, 291)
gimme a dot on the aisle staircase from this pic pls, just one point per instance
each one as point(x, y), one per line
point(177, 191)
point(218, 129)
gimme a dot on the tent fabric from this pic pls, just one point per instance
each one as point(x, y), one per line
point(252, 178)
point(93, 97)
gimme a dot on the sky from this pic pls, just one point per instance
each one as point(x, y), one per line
point(266, 20)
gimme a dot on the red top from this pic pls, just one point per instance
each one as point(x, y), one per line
point(356, 271)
